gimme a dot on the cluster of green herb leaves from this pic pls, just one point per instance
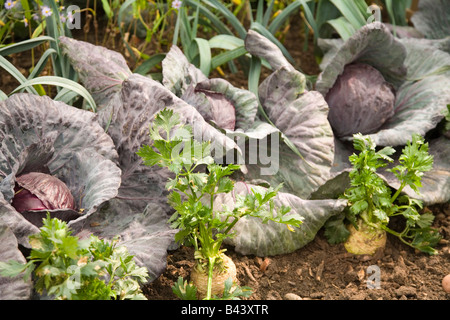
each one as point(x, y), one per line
point(187, 291)
point(194, 188)
point(67, 268)
point(371, 200)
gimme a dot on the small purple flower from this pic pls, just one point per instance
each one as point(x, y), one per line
point(46, 11)
point(62, 18)
point(25, 21)
point(176, 4)
point(70, 17)
point(9, 4)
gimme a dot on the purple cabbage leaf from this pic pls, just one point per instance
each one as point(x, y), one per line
point(218, 101)
point(268, 239)
point(433, 19)
point(63, 145)
point(300, 117)
point(101, 71)
point(11, 288)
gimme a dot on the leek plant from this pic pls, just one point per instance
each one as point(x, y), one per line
point(64, 77)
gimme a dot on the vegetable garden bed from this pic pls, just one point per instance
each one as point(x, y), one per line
point(284, 231)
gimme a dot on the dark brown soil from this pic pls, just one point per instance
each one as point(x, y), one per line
point(320, 271)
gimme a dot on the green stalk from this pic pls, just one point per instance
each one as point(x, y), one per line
point(394, 197)
point(211, 261)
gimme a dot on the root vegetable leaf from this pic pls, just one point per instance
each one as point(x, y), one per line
point(370, 198)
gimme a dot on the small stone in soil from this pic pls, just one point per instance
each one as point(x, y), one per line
point(317, 295)
point(406, 291)
point(292, 296)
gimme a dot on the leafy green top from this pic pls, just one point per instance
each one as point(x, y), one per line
point(193, 190)
point(68, 268)
point(371, 200)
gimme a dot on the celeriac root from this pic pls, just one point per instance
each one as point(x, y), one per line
point(220, 275)
point(366, 240)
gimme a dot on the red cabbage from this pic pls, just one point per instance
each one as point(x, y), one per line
point(361, 101)
point(40, 191)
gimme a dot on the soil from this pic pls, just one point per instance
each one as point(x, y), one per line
point(318, 271)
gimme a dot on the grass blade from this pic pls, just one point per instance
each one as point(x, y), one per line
point(353, 11)
point(227, 56)
point(12, 70)
point(310, 18)
point(145, 67)
point(283, 16)
point(204, 52)
point(41, 63)
point(3, 96)
point(218, 25)
point(24, 45)
point(225, 42)
point(344, 28)
point(60, 82)
point(229, 16)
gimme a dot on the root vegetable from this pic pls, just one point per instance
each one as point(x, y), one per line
point(365, 240)
point(221, 274)
point(446, 283)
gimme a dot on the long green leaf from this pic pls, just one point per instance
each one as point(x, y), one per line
point(326, 11)
point(310, 18)
point(227, 56)
point(354, 11)
point(216, 23)
point(12, 70)
point(225, 42)
point(66, 96)
point(63, 83)
point(397, 11)
point(283, 16)
point(41, 63)
point(120, 15)
point(268, 14)
point(229, 16)
point(24, 45)
point(145, 67)
point(3, 96)
point(107, 9)
point(344, 28)
point(205, 55)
